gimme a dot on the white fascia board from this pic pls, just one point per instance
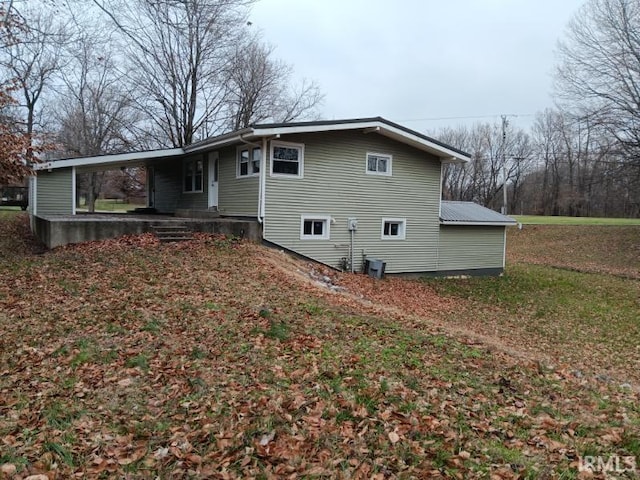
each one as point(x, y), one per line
point(444, 153)
point(479, 224)
point(242, 136)
point(107, 160)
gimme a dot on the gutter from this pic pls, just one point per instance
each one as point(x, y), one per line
point(486, 224)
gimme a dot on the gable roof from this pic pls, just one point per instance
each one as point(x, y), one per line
point(469, 213)
point(379, 125)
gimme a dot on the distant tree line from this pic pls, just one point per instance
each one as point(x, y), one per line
point(581, 158)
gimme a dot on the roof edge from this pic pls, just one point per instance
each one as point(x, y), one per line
point(108, 159)
point(445, 152)
point(485, 224)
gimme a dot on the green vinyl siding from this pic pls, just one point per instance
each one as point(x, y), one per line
point(236, 196)
point(169, 183)
point(54, 191)
point(335, 184)
point(194, 200)
point(466, 247)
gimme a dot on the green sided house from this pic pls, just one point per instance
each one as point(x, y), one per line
point(338, 192)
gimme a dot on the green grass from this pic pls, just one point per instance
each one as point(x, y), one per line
point(112, 205)
point(558, 220)
point(577, 315)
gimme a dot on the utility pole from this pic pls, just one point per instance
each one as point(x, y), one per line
point(505, 122)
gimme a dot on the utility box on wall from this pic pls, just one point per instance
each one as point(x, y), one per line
point(352, 224)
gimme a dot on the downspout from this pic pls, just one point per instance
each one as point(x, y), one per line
point(504, 249)
point(260, 215)
point(34, 209)
point(263, 179)
point(351, 251)
point(73, 190)
point(439, 217)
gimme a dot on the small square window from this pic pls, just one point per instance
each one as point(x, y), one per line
point(378, 164)
point(394, 228)
point(314, 227)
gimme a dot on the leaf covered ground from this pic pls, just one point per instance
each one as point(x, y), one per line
point(223, 359)
point(613, 249)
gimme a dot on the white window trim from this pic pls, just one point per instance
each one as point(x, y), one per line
point(193, 160)
point(250, 148)
point(326, 235)
point(403, 229)
point(389, 164)
point(299, 146)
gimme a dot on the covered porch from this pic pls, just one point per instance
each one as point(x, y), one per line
point(174, 180)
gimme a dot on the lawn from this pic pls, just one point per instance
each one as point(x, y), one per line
point(223, 359)
point(111, 205)
point(559, 220)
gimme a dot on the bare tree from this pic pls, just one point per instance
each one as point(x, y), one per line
point(96, 114)
point(179, 51)
point(32, 64)
point(599, 69)
point(499, 159)
point(259, 88)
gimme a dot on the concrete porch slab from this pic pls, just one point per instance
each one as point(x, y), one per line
point(58, 230)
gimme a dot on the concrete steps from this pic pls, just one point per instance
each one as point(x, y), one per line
point(173, 232)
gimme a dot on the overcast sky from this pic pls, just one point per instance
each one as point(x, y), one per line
point(411, 61)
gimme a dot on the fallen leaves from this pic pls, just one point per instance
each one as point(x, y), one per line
point(130, 359)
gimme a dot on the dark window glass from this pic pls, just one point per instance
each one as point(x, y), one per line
point(392, 229)
point(188, 177)
point(197, 184)
point(308, 226)
point(287, 168)
point(285, 153)
point(313, 227)
point(286, 160)
point(257, 157)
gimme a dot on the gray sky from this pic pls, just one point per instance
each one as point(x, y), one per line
point(421, 59)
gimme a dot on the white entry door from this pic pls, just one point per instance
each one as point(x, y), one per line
point(213, 179)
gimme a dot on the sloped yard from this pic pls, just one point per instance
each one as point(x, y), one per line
point(221, 359)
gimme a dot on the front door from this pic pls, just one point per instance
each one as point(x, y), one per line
point(213, 180)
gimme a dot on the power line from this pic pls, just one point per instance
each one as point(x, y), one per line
point(468, 117)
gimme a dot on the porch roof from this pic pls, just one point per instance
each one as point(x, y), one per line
point(111, 161)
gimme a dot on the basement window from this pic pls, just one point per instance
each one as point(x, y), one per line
point(379, 164)
point(394, 228)
point(193, 173)
point(287, 159)
point(248, 161)
point(314, 227)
